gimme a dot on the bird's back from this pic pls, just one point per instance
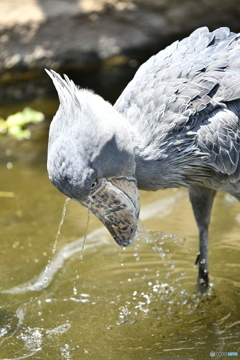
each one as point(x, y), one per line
point(186, 99)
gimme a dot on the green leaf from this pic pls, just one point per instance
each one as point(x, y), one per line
point(15, 124)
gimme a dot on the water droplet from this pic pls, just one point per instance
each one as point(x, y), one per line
point(74, 290)
point(182, 292)
point(172, 264)
point(109, 327)
point(85, 295)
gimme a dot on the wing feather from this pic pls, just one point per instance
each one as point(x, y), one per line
point(219, 138)
point(190, 92)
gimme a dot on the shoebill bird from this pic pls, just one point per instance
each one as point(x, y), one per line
point(175, 124)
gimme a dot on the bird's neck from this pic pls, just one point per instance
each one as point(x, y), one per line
point(159, 162)
point(157, 174)
point(161, 166)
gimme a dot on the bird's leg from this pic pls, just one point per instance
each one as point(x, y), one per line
point(202, 200)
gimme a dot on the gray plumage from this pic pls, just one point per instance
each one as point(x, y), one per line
point(175, 124)
point(185, 100)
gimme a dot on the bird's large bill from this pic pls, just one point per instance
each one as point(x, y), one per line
point(116, 204)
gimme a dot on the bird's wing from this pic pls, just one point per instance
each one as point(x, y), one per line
point(178, 91)
point(220, 138)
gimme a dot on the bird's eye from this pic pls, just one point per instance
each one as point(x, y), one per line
point(94, 184)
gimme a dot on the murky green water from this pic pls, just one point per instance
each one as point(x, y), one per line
point(138, 303)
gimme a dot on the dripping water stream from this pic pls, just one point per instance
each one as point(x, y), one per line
point(60, 225)
point(54, 248)
point(85, 235)
point(75, 291)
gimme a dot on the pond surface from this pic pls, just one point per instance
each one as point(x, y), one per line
point(57, 302)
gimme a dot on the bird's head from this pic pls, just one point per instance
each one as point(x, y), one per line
point(91, 158)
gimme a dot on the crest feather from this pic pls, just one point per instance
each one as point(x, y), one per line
point(66, 89)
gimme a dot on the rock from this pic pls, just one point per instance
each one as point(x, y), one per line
point(83, 34)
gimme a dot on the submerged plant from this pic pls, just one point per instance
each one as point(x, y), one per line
point(15, 124)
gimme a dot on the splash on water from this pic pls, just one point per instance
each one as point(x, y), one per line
point(65, 352)
point(32, 338)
